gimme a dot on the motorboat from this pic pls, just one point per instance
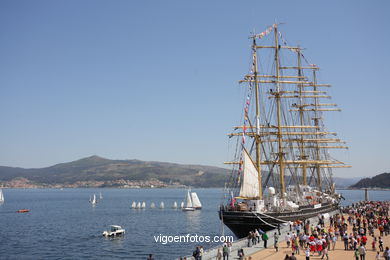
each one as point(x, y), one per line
point(114, 231)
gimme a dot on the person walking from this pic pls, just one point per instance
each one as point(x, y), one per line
point(386, 254)
point(287, 238)
point(293, 257)
point(345, 239)
point(356, 254)
point(307, 253)
point(249, 239)
point(380, 244)
point(325, 253)
point(276, 240)
point(362, 252)
point(265, 239)
point(334, 241)
point(225, 253)
point(201, 251)
point(257, 235)
point(219, 254)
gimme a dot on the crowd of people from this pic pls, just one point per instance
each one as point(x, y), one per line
point(363, 219)
point(360, 228)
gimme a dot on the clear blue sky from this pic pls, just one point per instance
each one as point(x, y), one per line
point(157, 80)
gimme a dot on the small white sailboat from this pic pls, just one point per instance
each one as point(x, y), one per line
point(93, 200)
point(162, 205)
point(174, 206)
point(192, 202)
point(152, 205)
point(143, 205)
point(138, 205)
point(133, 205)
point(1, 196)
point(100, 196)
point(182, 204)
point(188, 203)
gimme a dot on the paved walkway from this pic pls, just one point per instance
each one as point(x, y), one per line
point(338, 253)
point(253, 250)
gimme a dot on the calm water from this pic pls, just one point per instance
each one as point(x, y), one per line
point(63, 225)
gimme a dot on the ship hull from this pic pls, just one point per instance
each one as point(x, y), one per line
point(241, 222)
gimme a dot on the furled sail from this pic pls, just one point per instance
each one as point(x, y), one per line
point(195, 200)
point(250, 182)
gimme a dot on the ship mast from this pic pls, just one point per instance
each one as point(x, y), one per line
point(278, 105)
point(316, 123)
point(288, 141)
point(257, 136)
point(301, 119)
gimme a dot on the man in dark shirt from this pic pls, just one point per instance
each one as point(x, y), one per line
point(292, 257)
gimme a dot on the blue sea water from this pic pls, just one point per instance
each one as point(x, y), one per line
point(62, 224)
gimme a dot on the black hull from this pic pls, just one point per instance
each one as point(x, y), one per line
point(241, 222)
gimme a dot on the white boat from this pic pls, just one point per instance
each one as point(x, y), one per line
point(143, 205)
point(93, 200)
point(1, 196)
point(182, 204)
point(133, 205)
point(152, 205)
point(162, 205)
point(188, 203)
point(138, 205)
point(174, 206)
point(100, 196)
point(114, 231)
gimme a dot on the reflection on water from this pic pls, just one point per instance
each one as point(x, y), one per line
point(73, 229)
point(193, 217)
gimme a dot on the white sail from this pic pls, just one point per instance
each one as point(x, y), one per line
point(133, 205)
point(1, 196)
point(101, 196)
point(174, 206)
point(250, 182)
point(152, 205)
point(93, 200)
point(188, 200)
point(195, 200)
point(143, 205)
point(182, 204)
point(161, 205)
point(138, 205)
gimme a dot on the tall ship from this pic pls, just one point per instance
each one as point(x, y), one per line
point(282, 167)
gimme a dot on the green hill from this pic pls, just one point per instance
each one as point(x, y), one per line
point(378, 181)
point(99, 169)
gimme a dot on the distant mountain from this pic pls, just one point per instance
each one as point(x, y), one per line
point(105, 172)
point(345, 182)
point(95, 171)
point(378, 181)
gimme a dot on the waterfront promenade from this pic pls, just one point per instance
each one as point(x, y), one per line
point(258, 252)
point(253, 250)
point(338, 253)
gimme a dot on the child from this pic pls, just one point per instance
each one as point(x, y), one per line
point(307, 253)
